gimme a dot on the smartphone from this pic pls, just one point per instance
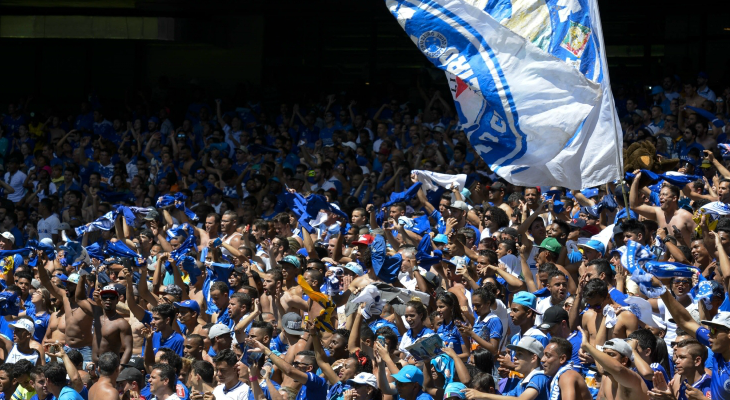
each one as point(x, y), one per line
point(217, 242)
point(381, 340)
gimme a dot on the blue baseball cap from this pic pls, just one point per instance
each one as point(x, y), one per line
point(293, 260)
point(441, 238)
point(409, 374)
point(595, 245)
point(455, 390)
point(526, 299)
point(191, 304)
point(354, 267)
point(592, 192)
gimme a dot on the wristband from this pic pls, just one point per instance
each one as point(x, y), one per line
point(253, 378)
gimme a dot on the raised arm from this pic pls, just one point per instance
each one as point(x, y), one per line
point(642, 209)
point(134, 308)
point(321, 357)
point(619, 373)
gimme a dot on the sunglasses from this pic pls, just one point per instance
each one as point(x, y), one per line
point(714, 330)
point(297, 364)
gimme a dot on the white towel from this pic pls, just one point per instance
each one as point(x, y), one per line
point(370, 295)
point(431, 180)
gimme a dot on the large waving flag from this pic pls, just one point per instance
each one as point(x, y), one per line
point(530, 83)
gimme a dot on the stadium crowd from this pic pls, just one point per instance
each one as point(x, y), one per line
point(331, 250)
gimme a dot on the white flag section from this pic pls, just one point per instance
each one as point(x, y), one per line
point(530, 83)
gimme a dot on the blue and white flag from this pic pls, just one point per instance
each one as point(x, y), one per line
point(530, 83)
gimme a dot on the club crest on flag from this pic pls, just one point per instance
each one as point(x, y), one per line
point(528, 84)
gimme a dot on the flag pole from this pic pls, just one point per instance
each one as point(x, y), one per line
point(616, 124)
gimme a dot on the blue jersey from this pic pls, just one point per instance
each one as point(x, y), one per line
point(720, 384)
point(703, 385)
point(265, 389)
point(489, 328)
point(538, 381)
point(174, 342)
point(41, 326)
point(314, 388)
point(450, 334)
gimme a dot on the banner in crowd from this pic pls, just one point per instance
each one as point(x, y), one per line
point(530, 83)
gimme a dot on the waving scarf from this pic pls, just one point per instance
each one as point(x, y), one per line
point(423, 253)
point(177, 200)
point(323, 321)
point(663, 269)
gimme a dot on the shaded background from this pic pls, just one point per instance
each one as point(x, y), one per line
point(61, 51)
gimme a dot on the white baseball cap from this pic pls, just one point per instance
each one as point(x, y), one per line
point(217, 330)
point(23, 324)
point(721, 319)
point(9, 236)
point(364, 378)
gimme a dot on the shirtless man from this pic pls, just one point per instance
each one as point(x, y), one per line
point(292, 300)
point(76, 323)
point(106, 386)
point(112, 332)
point(56, 332)
point(619, 381)
point(230, 236)
point(595, 294)
point(668, 214)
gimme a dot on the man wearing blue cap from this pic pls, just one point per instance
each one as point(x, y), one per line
point(523, 313)
point(188, 311)
point(408, 384)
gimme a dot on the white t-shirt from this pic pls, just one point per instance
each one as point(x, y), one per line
point(16, 181)
point(514, 265)
point(239, 392)
point(542, 305)
point(47, 227)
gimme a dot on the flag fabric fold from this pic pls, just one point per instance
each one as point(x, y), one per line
point(530, 83)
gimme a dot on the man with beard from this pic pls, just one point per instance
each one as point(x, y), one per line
point(557, 284)
point(77, 322)
point(112, 332)
point(668, 214)
point(566, 383)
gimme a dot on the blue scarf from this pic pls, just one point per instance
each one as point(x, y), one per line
point(177, 200)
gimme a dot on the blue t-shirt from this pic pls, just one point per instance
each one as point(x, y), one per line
point(41, 326)
point(174, 342)
point(265, 389)
point(278, 345)
point(703, 385)
point(225, 319)
point(68, 393)
point(490, 329)
point(576, 339)
point(421, 396)
point(539, 382)
point(655, 367)
point(618, 296)
point(314, 388)
point(337, 391)
point(450, 335)
point(720, 385)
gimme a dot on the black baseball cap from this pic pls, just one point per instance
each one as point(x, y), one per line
point(553, 316)
point(136, 362)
